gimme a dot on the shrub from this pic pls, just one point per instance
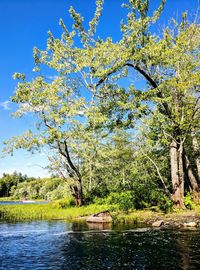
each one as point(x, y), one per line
point(142, 196)
point(63, 203)
point(124, 200)
point(165, 204)
point(189, 204)
point(97, 192)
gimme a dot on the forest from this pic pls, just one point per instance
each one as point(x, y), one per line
point(118, 120)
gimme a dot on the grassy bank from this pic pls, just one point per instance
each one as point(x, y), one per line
point(46, 212)
point(7, 199)
point(50, 212)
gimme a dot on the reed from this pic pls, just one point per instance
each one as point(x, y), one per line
point(47, 212)
point(28, 212)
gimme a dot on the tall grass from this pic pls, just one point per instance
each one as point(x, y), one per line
point(6, 199)
point(12, 213)
point(50, 212)
point(47, 212)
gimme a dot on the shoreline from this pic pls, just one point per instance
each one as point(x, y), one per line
point(31, 212)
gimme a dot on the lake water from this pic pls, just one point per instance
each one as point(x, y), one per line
point(20, 202)
point(61, 245)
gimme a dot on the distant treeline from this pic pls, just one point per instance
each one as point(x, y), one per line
point(20, 186)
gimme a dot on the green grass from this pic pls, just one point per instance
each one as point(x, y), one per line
point(46, 212)
point(6, 199)
point(11, 199)
point(135, 216)
point(50, 212)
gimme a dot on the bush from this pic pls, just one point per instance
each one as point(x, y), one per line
point(97, 192)
point(165, 204)
point(124, 200)
point(64, 203)
point(142, 196)
point(189, 204)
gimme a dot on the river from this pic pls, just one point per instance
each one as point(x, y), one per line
point(62, 245)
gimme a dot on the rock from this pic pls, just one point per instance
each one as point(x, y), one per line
point(176, 225)
point(190, 224)
point(102, 217)
point(158, 223)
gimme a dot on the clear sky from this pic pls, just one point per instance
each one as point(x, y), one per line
point(23, 25)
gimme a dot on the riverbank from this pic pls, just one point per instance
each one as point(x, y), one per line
point(27, 212)
point(30, 212)
point(7, 199)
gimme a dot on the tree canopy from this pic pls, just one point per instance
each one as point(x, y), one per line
point(101, 134)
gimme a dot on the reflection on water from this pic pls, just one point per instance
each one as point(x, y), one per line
point(61, 245)
point(99, 226)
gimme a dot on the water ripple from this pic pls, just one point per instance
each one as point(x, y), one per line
point(60, 245)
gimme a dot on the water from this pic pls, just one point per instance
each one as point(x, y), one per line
point(20, 202)
point(60, 245)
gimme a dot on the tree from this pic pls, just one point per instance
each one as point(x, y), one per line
point(87, 97)
point(170, 66)
point(177, 113)
point(9, 181)
point(58, 104)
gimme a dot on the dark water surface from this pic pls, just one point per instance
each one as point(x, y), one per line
point(61, 245)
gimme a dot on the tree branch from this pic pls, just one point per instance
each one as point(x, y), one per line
point(153, 84)
point(158, 171)
point(70, 162)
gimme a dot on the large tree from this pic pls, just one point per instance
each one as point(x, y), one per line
point(59, 103)
point(169, 63)
point(173, 68)
point(88, 94)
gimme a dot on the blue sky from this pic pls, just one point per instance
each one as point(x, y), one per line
point(23, 25)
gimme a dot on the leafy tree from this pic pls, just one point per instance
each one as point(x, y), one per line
point(58, 104)
point(170, 66)
point(8, 183)
point(87, 101)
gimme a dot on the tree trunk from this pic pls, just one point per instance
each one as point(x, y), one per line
point(181, 172)
point(77, 193)
point(177, 174)
point(77, 190)
point(90, 176)
point(197, 154)
point(192, 179)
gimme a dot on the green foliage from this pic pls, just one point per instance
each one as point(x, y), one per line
point(63, 203)
point(147, 196)
point(189, 204)
point(20, 187)
point(8, 183)
point(48, 212)
point(106, 137)
point(124, 200)
point(99, 192)
point(139, 198)
point(165, 204)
